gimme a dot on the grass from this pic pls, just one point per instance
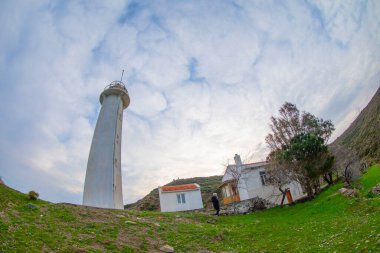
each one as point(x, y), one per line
point(370, 179)
point(331, 222)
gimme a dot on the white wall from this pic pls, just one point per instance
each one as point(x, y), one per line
point(169, 203)
point(243, 187)
point(102, 186)
point(251, 186)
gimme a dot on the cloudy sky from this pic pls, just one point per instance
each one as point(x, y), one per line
point(204, 78)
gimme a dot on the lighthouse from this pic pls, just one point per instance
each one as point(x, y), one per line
point(102, 187)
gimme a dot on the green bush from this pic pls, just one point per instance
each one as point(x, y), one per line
point(370, 195)
point(31, 206)
point(33, 195)
point(149, 207)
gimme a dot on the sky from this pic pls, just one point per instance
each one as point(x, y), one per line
point(204, 78)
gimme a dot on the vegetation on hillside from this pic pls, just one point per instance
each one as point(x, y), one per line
point(329, 223)
point(362, 138)
point(151, 201)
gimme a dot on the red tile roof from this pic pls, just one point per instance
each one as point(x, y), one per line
point(184, 187)
point(256, 163)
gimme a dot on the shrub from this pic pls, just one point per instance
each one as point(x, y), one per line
point(33, 195)
point(149, 207)
point(370, 195)
point(31, 206)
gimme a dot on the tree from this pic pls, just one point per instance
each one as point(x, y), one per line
point(305, 154)
point(298, 148)
point(291, 122)
point(278, 175)
point(347, 163)
point(33, 195)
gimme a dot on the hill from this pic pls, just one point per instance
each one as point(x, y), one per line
point(151, 202)
point(363, 135)
point(329, 223)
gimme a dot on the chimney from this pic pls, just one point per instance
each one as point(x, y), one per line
point(237, 160)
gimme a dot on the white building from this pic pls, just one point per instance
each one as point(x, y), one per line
point(253, 183)
point(180, 197)
point(102, 187)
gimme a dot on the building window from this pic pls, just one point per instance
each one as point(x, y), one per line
point(263, 178)
point(234, 191)
point(181, 198)
point(226, 192)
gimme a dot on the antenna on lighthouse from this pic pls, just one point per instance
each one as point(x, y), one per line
point(122, 73)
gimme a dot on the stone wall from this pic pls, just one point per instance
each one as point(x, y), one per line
point(246, 206)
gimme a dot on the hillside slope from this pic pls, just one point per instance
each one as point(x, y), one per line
point(363, 135)
point(329, 223)
point(151, 202)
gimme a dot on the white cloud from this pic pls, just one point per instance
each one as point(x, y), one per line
point(146, 101)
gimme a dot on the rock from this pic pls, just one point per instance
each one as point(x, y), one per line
point(349, 192)
point(167, 248)
point(247, 206)
point(376, 190)
point(120, 216)
point(343, 190)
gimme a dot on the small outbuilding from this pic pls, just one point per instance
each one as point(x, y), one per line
point(176, 198)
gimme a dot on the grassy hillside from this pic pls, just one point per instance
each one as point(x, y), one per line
point(151, 201)
point(330, 223)
point(363, 135)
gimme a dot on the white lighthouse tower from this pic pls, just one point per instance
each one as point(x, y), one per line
point(102, 187)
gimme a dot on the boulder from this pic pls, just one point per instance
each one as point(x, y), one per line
point(167, 248)
point(246, 206)
point(343, 190)
point(349, 192)
point(376, 190)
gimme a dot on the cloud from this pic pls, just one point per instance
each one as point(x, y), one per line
point(203, 77)
point(341, 19)
point(147, 102)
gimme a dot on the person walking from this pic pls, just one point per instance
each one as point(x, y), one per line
point(215, 203)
